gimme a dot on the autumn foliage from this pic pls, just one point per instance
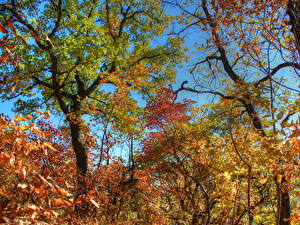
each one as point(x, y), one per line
point(98, 138)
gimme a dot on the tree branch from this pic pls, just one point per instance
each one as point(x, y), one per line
point(57, 23)
point(27, 25)
point(108, 20)
point(276, 69)
point(182, 88)
point(96, 82)
point(211, 57)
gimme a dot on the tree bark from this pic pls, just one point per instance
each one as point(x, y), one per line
point(283, 203)
point(285, 209)
point(79, 147)
point(293, 11)
point(80, 150)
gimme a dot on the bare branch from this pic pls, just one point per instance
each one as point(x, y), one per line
point(205, 60)
point(276, 69)
point(182, 88)
point(151, 57)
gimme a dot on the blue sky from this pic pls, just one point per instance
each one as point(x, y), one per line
point(182, 73)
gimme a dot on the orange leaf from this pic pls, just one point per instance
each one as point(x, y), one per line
point(28, 117)
point(279, 178)
point(68, 203)
point(60, 180)
point(4, 193)
point(283, 23)
point(40, 191)
point(91, 192)
point(23, 173)
point(257, 50)
point(57, 201)
point(62, 192)
point(13, 88)
point(11, 162)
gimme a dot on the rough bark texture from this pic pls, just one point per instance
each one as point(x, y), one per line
point(283, 204)
point(80, 151)
point(293, 11)
point(285, 209)
point(78, 144)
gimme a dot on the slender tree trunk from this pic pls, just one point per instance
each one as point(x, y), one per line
point(285, 209)
point(283, 203)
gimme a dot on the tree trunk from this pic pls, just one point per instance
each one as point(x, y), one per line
point(78, 144)
point(283, 203)
point(285, 209)
point(80, 150)
point(293, 11)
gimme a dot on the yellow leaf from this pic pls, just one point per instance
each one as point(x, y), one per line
point(227, 175)
point(18, 118)
point(48, 144)
point(263, 180)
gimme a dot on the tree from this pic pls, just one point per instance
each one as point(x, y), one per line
point(212, 167)
point(233, 160)
point(243, 39)
point(69, 51)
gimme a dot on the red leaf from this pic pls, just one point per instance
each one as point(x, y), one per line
point(36, 37)
point(19, 37)
point(11, 25)
point(3, 40)
point(2, 29)
point(11, 46)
